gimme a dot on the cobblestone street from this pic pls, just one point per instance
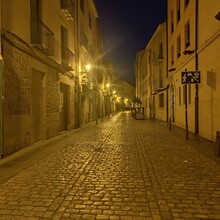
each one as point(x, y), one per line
point(119, 169)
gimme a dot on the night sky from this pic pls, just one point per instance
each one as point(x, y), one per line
point(126, 27)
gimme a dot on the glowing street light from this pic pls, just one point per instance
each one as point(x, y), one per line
point(88, 67)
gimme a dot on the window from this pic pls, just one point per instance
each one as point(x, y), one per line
point(64, 46)
point(178, 11)
point(82, 5)
point(160, 79)
point(186, 2)
point(172, 55)
point(178, 46)
point(187, 34)
point(160, 56)
point(35, 19)
point(161, 100)
point(90, 21)
point(180, 95)
point(68, 9)
point(41, 36)
point(172, 22)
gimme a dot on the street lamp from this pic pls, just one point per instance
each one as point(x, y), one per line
point(88, 67)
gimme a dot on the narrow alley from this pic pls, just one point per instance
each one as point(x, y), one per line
point(119, 169)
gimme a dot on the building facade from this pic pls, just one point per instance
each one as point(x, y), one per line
point(44, 50)
point(189, 68)
point(151, 76)
point(39, 82)
point(193, 36)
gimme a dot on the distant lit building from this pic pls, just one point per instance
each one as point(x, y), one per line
point(151, 76)
point(140, 74)
point(193, 38)
point(128, 93)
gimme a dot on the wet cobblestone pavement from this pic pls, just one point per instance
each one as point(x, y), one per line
point(120, 169)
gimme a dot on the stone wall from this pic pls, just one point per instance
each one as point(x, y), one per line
point(17, 81)
point(19, 125)
point(17, 98)
point(52, 103)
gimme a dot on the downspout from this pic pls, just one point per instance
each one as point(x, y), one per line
point(76, 69)
point(1, 89)
point(167, 91)
point(196, 67)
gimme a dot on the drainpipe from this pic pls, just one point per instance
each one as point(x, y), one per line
point(78, 101)
point(1, 102)
point(1, 89)
point(196, 67)
point(167, 92)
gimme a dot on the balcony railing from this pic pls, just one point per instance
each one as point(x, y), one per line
point(84, 42)
point(42, 37)
point(158, 59)
point(67, 58)
point(67, 7)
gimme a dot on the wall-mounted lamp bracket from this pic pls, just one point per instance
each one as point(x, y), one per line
point(172, 69)
point(218, 16)
point(188, 52)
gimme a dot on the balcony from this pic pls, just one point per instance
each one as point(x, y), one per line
point(84, 42)
point(67, 58)
point(158, 59)
point(67, 8)
point(42, 37)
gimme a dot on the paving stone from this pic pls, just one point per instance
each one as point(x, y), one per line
point(119, 169)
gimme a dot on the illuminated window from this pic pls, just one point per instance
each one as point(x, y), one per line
point(187, 34)
point(178, 46)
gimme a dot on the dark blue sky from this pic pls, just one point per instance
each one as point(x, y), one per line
point(126, 27)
